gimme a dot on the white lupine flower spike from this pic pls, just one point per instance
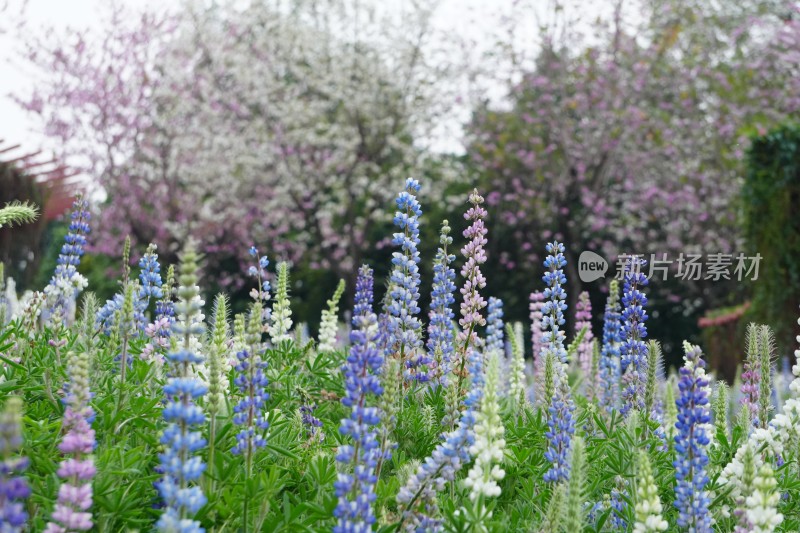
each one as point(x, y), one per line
point(648, 505)
point(489, 446)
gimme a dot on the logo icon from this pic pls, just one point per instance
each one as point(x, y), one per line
point(591, 267)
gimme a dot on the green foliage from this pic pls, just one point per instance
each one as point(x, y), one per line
point(770, 198)
point(291, 486)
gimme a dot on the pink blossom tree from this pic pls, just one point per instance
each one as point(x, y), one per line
point(631, 140)
point(289, 125)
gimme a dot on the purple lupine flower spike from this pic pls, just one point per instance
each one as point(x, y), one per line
point(560, 418)
point(554, 305)
point(609, 362)
point(150, 285)
point(440, 326)
point(404, 325)
point(633, 350)
point(72, 511)
point(13, 487)
point(474, 281)
point(312, 424)
point(252, 382)
point(751, 376)
point(356, 490)
point(66, 282)
point(495, 333)
point(181, 467)
point(691, 443)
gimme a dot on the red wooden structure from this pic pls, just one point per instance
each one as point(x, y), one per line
point(58, 184)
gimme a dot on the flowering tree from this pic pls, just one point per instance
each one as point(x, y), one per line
point(632, 142)
point(270, 123)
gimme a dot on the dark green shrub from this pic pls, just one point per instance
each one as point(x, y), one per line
point(771, 217)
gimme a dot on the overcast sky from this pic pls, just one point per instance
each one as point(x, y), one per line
point(15, 125)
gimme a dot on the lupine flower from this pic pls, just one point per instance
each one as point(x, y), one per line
point(330, 321)
point(165, 308)
point(75, 494)
point(751, 375)
point(105, 317)
point(535, 306)
point(217, 357)
point(86, 325)
point(440, 326)
point(489, 445)
point(561, 427)
point(261, 293)
point(691, 441)
point(31, 306)
point(721, 409)
point(452, 405)
point(796, 358)
point(494, 326)
point(252, 383)
point(781, 434)
point(125, 327)
point(159, 331)
point(554, 306)
point(239, 335)
point(748, 392)
point(766, 351)
point(12, 306)
point(516, 384)
point(583, 319)
point(648, 505)
point(737, 477)
point(652, 410)
point(13, 487)
point(596, 385)
point(356, 490)
point(109, 316)
point(670, 409)
point(389, 404)
point(556, 509)
point(149, 287)
point(612, 337)
point(418, 495)
point(66, 282)
point(560, 420)
point(181, 468)
point(654, 364)
point(301, 334)
point(217, 370)
point(474, 281)
point(149, 284)
point(281, 309)
point(384, 321)
point(746, 485)
point(633, 350)
point(312, 424)
point(618, 505)
point(404, 324)
point(18, 213)
point(574, 519)
point(762, 505)
point(362, 303)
